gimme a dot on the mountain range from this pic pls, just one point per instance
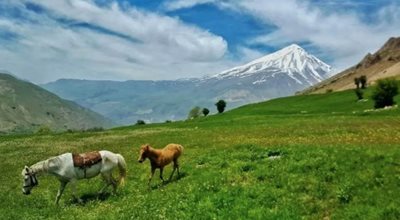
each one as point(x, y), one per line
point(279, 74)
point(25, 107)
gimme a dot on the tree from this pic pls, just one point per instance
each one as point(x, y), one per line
point(221, 104)
point(359, 94)
point(385, 91)
point(357, 82)
point(363, 81)
point(194, 113)
point(205, 111)
point(140, 122)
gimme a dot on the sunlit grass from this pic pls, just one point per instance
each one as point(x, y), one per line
point(263, 161)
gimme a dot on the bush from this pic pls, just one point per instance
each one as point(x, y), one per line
point(168, 121)
point(359, 94)
point(95, 129)
point(221, 104)
point(140, 122)
point(357, 82)
point(385, 91)
point(43, 129)
point(363, 81)
point(205, 111)
point(194, 113)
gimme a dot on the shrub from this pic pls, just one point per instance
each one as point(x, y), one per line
point(363, 81)
point(43, 129)
point(194, 113)
point(329, 91)
point(95, 129)
point(205, 111)
point(385, 91)
point(168, 121)
point(357, 82)
point(140, 122)
point(359, 94)
point(221, 104)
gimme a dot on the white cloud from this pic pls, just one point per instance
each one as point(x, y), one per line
point(180, 4)
point(343, 36)
point(340, 34)
point(162, 47)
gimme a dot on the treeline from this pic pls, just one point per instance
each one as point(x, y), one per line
point(198, 111)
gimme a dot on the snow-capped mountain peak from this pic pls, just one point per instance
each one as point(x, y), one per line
point(289, 60)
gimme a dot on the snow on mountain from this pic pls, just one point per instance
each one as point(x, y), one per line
point(292, 60)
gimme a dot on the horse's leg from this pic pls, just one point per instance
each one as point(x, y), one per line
point(60, 191)
point(173, 171)
point(177, 166)
point(107, 182)
point(161, 174)
point(73, 186)
point(153, 169)
point(114, 183)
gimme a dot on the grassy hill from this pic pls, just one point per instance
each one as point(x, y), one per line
point(25, 107)
point(314, 157)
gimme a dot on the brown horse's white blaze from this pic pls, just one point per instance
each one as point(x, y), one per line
point(159, 158)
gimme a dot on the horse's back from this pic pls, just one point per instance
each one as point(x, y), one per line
point(175, 150)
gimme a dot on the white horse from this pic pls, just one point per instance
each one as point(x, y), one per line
point(63, 168)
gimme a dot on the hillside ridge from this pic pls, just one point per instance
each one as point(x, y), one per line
point(26, 107)
point(383, 63)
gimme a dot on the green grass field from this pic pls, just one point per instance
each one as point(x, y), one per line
point(336, 162)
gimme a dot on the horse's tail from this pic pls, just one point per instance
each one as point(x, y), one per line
point(122, 169)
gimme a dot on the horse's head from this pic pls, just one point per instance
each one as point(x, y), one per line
point(144, 149)
point(29, 180)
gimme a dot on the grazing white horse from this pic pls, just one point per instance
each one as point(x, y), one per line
point(63, 168)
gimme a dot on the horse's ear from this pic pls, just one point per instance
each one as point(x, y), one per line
point(27, 168)
point(147, 146)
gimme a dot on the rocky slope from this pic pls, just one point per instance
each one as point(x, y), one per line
point(382, 64)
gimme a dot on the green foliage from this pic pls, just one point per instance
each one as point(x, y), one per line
point(194, 113)
point(320, 169)
point(359, 94)
point(357, 82)
point(344, 194)
point(205, 111)
point(140, 122)
point(384, 93)
point(221, 104)
point(363, 81)
point(94, 129)
point(44, 129)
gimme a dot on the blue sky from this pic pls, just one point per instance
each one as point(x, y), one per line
point(46, 40)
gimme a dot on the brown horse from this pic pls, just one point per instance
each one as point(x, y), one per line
point(159, 158)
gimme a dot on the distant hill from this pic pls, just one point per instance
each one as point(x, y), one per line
point(382, 64)
point(278, 74)
point(25, 107)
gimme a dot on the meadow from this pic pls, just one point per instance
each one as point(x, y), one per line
point(302, 157)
